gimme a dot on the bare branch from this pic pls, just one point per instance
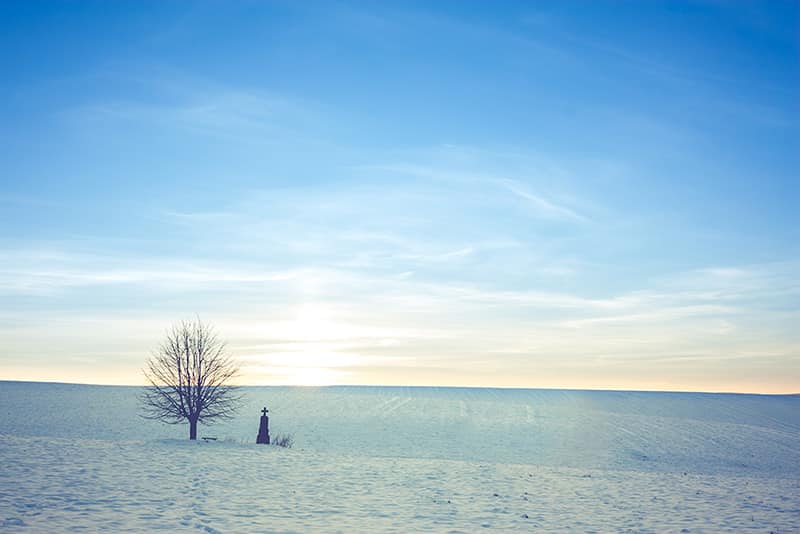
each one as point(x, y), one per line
point(190, 378)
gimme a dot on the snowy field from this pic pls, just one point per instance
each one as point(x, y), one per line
point(404, 459)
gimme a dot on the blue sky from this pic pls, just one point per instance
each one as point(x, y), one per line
point(578, 194)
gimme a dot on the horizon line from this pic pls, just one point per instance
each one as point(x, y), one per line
point(609, 390)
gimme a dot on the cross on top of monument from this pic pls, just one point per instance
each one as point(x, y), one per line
point(264, 411)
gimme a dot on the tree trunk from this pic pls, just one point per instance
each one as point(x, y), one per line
point(193, 429)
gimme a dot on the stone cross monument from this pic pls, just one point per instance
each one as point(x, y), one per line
point(263, 428)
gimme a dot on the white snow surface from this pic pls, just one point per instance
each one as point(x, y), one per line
point(374, 459)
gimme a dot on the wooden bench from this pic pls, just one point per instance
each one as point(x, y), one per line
point(208, 438)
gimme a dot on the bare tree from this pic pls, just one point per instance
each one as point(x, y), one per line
point(189, 376)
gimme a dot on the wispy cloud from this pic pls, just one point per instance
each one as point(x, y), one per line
point(543, 206)
point(233, 113)
point(336, 323)
point(41, 272)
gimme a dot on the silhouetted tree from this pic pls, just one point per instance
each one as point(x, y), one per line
point(189, 376)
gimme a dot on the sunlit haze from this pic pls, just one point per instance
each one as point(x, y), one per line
point(537, 195)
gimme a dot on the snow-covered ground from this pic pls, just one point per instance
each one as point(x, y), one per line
point(404, 459)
